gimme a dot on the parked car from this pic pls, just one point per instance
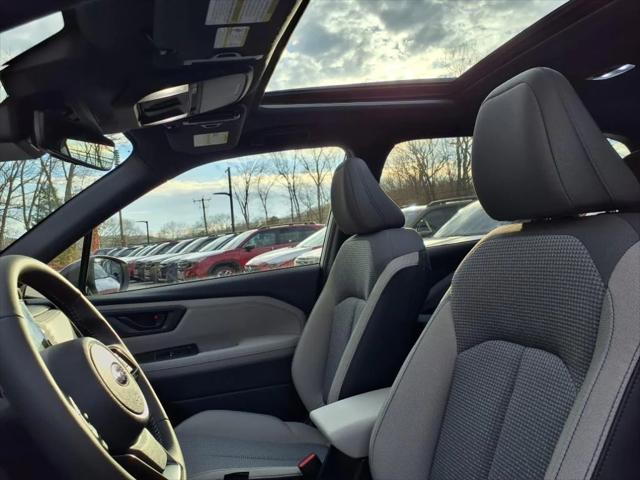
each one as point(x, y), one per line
point(158, 266)
point(144, 266)
point(470, 224)
point(285, 257)
point(311, 257)
point(178, 264)
point(427, 219)
point(158, 248)
point(235, 254)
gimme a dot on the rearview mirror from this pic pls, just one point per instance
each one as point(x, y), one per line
point(72, 143)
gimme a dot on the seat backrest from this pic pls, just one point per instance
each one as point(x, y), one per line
point(524, 366)
point(362, 325)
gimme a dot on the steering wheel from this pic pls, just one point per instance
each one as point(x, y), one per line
point(85, 401)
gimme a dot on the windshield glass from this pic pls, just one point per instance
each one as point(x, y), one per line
point(18, 40)
point(239, 240)
point(217, 243)
point(315, 240)
point(178, 247)
point(30, 190)
point(469, 221)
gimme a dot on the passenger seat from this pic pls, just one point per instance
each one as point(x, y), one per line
point(355, 339)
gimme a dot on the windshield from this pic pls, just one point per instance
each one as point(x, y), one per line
point(239, 240)
point(178, 247)
point(196, 245)
point(217, 243)
point(469, 221)
point(315, 240)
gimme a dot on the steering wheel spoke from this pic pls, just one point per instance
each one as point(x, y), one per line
point(147, 458)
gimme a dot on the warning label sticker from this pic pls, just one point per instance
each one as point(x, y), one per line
point(231, 37)
point(232, 12)
point(209, 139)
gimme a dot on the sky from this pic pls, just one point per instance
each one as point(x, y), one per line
point(354, 41)
point(339, 42)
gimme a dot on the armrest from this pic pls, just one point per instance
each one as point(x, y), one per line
point(348, 423)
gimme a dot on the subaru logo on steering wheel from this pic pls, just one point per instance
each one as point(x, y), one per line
point(119, 374)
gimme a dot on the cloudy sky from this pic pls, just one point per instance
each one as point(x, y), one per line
point(352, 41)
point(341, 42)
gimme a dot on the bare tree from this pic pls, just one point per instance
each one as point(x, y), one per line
point(242, 183)
point(287, 169)
point(264, 183)
point(318, 164)
point(10, 174)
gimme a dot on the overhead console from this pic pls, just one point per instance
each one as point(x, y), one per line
point(187, 100)
point(118, 67)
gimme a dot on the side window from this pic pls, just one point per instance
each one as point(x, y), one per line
point(263, 239)
point(184, 229)
point(430, 179)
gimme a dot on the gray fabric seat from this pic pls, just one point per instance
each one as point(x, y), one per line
point(523, 368)
point(355, 339)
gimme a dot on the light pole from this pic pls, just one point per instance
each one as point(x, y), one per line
point(229, 194)
point(146, 222)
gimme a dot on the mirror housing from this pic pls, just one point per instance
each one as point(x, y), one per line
point(72, 143)
point(105, 275)
point(248, 248)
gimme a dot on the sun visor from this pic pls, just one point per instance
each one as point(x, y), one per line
point(210, 132)
point(183, 101)
point(205, 31)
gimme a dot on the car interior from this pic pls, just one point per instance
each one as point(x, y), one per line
point(394, 355)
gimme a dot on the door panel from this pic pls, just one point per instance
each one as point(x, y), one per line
point(225, 332)
point(231, 346)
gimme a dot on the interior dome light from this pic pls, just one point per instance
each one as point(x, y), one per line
point(613, 73)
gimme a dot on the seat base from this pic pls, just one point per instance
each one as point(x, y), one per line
point(217, 442)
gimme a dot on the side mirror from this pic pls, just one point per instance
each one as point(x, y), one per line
point(248, 248)
point(105, 275)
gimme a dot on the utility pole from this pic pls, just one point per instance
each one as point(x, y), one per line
point(229, 194)
point(204, 213)
point(146, 222)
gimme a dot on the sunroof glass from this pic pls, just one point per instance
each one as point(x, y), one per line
point(341, 42)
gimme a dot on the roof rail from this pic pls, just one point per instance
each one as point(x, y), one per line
point(452, 199)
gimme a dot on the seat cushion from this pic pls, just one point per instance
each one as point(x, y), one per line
point(217, 442)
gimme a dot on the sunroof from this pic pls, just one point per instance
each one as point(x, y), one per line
point(341, 42)
point(19, 39)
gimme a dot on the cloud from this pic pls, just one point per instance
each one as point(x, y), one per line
point(356, 41)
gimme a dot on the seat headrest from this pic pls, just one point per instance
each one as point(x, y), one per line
point(537, 153)
point(633, 162)
point(358, 203)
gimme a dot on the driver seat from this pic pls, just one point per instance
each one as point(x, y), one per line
point(355, 340)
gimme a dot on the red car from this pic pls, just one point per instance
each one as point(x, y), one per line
point(231, 258)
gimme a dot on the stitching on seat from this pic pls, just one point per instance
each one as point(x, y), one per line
point(506, 410)
point(614, 431)
point(378, 426)
point(619, 392)
point(595, 381)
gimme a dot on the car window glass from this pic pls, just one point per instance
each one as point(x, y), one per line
point(430, 179)
point(279, 200)
point(262, 239)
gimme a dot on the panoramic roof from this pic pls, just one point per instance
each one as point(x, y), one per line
point(341, 42)
point(20, 39)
